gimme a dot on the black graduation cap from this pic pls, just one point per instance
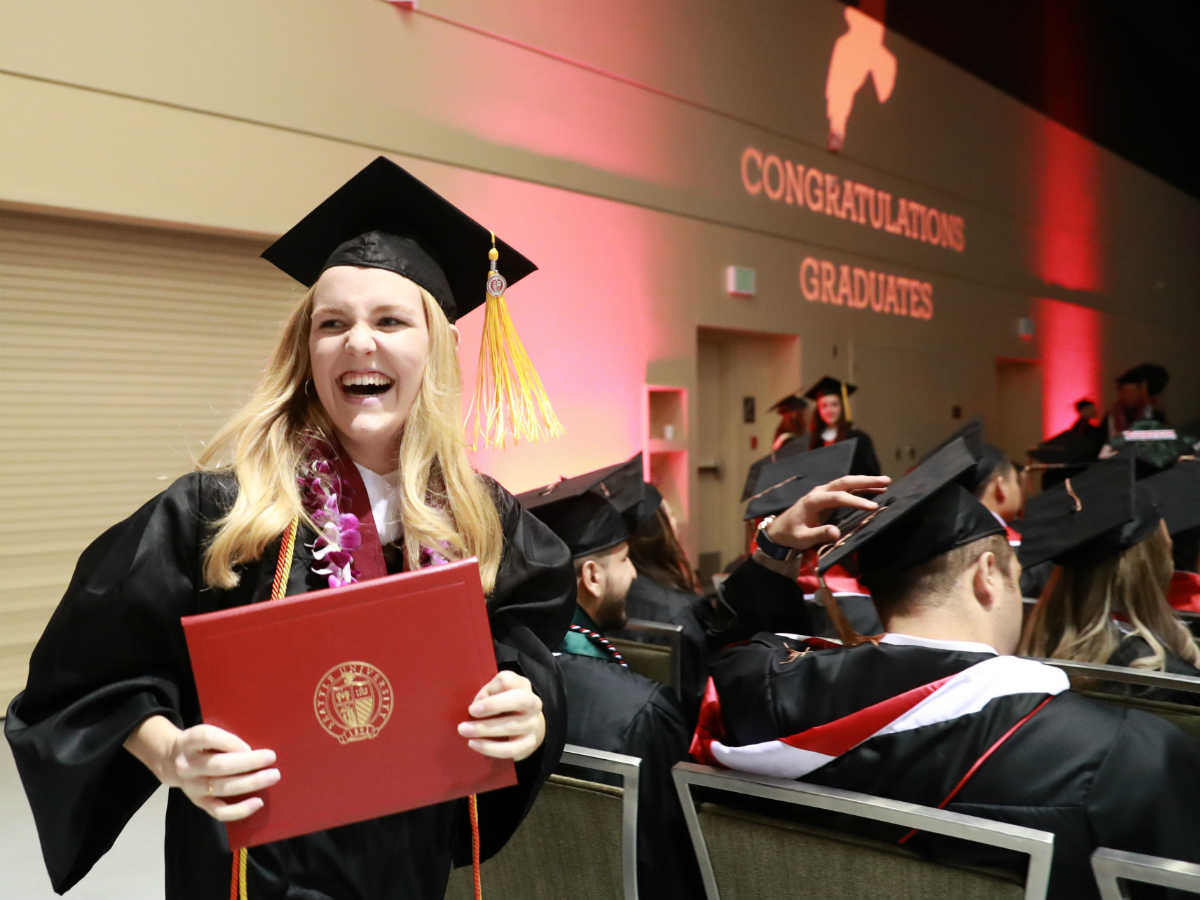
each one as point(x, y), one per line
point(782, 483)
point(384, 218)
point(1131, 376)
point(789, 449)
point(1088, 517)
point(790, 403)
point(988, 457)
point(1067, 448)
point(623, 487)
point(1155, 377)
point(1176, 494)
point(586, 523)
point(828, 385)
point(924, 514)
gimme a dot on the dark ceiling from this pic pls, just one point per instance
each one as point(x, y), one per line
point(1123, 73)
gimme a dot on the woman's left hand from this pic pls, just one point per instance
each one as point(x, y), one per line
point(508, 721)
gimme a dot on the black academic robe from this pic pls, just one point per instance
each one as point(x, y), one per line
point(647, 599)
point(114, 654)
point(611, 707)
point(1093, 774)
point(1134, 647)
point(754, 599)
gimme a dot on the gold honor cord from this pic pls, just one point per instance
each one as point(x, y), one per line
point(509, 396)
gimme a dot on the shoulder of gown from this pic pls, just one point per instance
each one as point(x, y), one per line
point(112, 655)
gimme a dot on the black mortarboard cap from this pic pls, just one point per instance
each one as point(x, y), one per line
point(988, 457)
point(1131, 376)
point(384, 218)
point(828, 385)
point(1088, 517)
point(620, 484)
point(1176, 494)
point(586, 523)
point(1154, 376)
point(623, 487)
point(923, 515)
point(1066, 448)
point(790, 403)
point(788, 449)
point(783, 482)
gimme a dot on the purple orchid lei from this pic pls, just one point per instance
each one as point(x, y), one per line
point(322, 492)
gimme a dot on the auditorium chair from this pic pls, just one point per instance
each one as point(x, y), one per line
point(754, 856)
point(579, 839)
point(1089, 678)
point(652, 649)
point(1113, 868)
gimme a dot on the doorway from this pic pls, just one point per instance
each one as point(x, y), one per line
point(739, 376)
point(1018, 406)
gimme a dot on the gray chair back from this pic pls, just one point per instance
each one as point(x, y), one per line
point(579, 839)
point(1113, 868)
point(1183, 716)
point(745, 855)
point(653, 649)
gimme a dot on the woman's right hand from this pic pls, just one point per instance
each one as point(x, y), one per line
point(206, 763)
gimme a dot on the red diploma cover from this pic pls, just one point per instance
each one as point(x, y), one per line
point(359, 691)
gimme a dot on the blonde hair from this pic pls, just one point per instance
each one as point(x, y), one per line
point(444, 504)
point(1073, 617)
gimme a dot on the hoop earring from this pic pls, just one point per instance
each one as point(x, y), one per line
point(308, 384)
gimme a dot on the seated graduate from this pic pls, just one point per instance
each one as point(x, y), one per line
point(966, 727)
point(666, 589)
point(1107, 600)
point(1177, 495)
point(832, 422)
point(351, 443)
point(794, 495)
point(611, 707)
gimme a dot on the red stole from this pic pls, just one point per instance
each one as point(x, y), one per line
point(1183, 593)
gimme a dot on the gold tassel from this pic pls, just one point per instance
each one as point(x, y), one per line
point(509, 396)
point(846, 403)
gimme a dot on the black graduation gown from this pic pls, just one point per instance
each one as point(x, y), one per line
point(647, 599)
point(754, 599)
point(1134, 647)
point(613, 708)
point(114, 654)
point(1094, 775)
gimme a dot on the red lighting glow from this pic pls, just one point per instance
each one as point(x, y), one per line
point(1072, 342)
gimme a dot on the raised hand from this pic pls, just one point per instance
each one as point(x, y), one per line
point(800, 525)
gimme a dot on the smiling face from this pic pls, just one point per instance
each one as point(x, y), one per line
point(829, 407)
point(368, 343)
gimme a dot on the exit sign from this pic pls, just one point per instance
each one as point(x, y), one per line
point(739, 281)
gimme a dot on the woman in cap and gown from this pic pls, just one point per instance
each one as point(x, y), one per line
point(358, 407)
point(832, 423)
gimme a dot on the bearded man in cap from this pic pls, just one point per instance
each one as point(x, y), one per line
point(995, 736)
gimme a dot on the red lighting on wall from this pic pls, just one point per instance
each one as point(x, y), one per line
point(1072, 342)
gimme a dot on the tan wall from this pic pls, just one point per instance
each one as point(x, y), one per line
point(620, 176)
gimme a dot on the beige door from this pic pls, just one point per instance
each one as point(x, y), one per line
point(121, 351)
point(735, 367)
point(1018, 407)
point(904, 402)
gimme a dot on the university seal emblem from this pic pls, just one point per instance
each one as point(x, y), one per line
point(353, 701)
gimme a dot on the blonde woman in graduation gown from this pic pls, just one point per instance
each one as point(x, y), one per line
point(359, 397)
